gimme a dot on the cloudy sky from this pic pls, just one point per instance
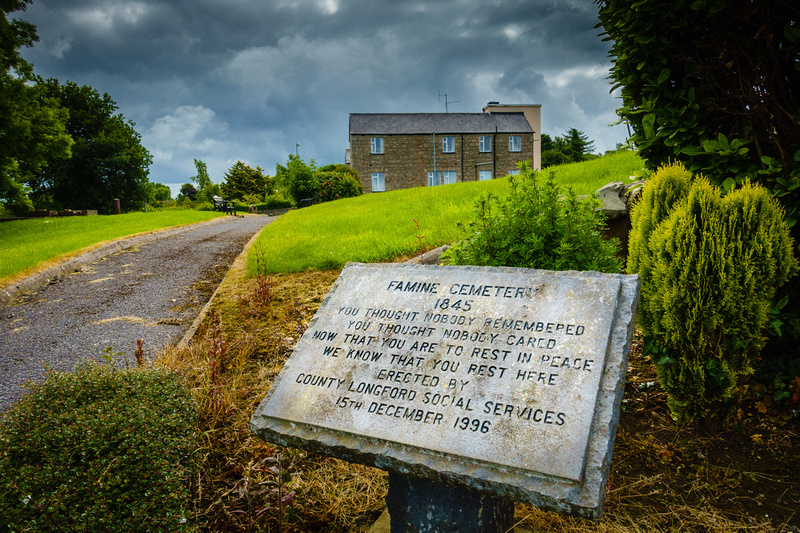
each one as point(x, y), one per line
point(229, 80)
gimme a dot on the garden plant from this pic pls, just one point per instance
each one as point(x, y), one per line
point(710, 268)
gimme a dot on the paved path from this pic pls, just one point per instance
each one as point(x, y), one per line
point(151, 292)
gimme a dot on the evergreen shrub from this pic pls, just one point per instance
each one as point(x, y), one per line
point(538, 225)
point(98, 450)
point(713, 266)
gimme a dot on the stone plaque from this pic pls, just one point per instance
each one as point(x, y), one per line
point(497, 379)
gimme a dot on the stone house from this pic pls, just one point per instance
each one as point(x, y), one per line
point(394, 151)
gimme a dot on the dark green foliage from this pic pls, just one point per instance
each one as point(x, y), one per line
point(551, 158)
point(274, 201)
point(341, 168)
point(244, 181)
point(712, 267)
point(539, 225)
point(98, 450)
point(713, 84)
point(188, 191)
point(108, 160)
point(336, 184)
point(158, 192)
point(32, 126)
point(572, 147)
point(302, 181)
point(297, 179)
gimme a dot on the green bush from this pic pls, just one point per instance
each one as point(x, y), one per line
point(537, 226)
point(334, 185)
point(666, 186)
point(275, 201)
point(714, 266)
point(98, 450)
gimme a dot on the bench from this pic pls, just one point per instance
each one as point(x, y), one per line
point(307, 201)
point(223, 205)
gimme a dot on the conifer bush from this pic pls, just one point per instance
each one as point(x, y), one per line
point(99, 450)
point(666, 186)
point(709, 272)
point(538, 225)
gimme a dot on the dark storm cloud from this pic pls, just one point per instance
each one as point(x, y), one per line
point(228, 80)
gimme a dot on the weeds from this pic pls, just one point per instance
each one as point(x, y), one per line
point(664, 478)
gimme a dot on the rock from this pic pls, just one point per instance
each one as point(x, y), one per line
point(612, 206)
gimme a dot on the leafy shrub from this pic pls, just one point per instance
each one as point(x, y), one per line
point(98, 450)
point(714, 266)
point(334, 185)
point(537, 226)
point(275, 201)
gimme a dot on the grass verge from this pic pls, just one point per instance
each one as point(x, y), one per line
point(27, 244)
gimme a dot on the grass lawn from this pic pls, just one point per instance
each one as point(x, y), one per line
point(383, 226)
point(26, 244)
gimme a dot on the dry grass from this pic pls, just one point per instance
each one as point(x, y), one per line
point(744, 476)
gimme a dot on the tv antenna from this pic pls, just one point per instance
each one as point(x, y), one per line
point(446, 101)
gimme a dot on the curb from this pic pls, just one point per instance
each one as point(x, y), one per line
point(40, 279)
point(235, 266)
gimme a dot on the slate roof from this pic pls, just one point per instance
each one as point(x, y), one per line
point(427, 123)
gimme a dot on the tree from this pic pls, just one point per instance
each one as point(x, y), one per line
point(297, 178)
point(571, 147)
point(158, 192)
point(32, 126)
point(205, 187)
point(188, 191)
point(202, 179)
point(713, 84)
point(244, 181)
point(578, 145)
point(108, 160)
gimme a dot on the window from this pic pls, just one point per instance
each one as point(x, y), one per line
point(514, 143)
point(485, 143)
point(378, 182)
point(449, 177)
point(376, 145)
point(513, 172)
point(448, 145)
point(484, 175)
point(434, 178)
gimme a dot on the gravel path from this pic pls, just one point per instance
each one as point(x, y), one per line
point(151, 292)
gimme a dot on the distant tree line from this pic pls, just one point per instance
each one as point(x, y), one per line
point(572, 147)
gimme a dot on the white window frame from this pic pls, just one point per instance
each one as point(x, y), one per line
point(515, 143)
point(376, 145)
point(485, 143)
point(484, 175)
point(378, 182)
point(448, 145)
point(434, 178)
point(449, 177)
